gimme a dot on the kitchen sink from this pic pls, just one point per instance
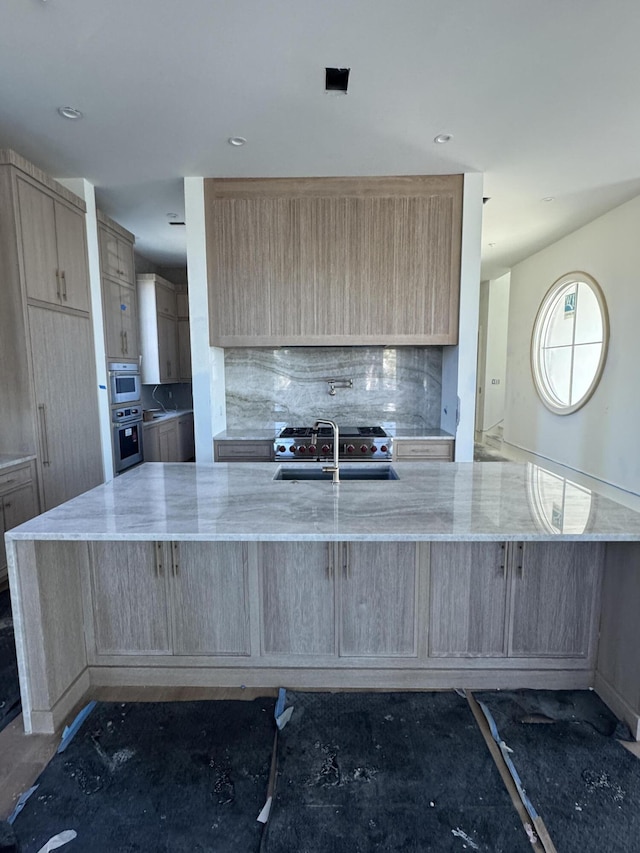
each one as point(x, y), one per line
point(361, 472)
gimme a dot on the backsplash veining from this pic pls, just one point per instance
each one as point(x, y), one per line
point(288, 385)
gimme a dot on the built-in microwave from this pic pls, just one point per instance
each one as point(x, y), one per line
point(124, 383)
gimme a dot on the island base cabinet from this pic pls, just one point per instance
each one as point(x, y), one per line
point(129, 598)
point(531, 601)
point(469, 599)
point(378, 593)
point(210, 598)
point(297, 598)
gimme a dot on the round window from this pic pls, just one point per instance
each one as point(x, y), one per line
point(569, 343)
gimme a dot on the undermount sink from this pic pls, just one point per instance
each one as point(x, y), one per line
point(364, 472)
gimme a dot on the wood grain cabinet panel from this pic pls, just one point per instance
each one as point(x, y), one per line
point(378, 599)
point(334, 260)
point(18, 503)
point(158, 330)
point(210, 598)
point(129, 595)
point(553, 592)
point(54, 249)
point(65, 383)
point(423, 450)
point(469, 598)
point(297, 598)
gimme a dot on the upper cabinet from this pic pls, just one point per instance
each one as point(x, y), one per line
point(118, 290)
point(334, 261)
point(158, 330)
point(54, 247)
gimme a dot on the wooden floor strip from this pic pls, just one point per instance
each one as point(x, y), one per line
point(544, 844)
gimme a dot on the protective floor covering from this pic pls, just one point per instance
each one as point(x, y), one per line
point(360, 772)
point(582, 782)
point(166, 776)
point(9, 687)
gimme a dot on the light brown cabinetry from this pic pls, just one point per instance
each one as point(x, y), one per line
point(158, 330)
point(186, 441)
point(118, 290)
point(169, 598)
point(334, 260)
point(240, 450)
point(184, 336)
point(54, 247)
point(18, 503)
point(47, 357)
point(423, 449)
point(170, 439)
point(516, 600)
point(346, 599)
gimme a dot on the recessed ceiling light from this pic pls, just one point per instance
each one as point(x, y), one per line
point(237, 141)
point(548, 198)
point(69, 112)
point(442, 138)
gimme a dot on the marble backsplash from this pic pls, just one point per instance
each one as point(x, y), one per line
point(289, 385)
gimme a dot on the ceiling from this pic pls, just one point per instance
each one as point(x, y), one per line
point(540, 97)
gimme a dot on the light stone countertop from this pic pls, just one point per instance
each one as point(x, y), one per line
point(431, 501)
point(166, 416)
point(8, 460)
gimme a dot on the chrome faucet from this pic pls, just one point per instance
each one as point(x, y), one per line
point(335, 468)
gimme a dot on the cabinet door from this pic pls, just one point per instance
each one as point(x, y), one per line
point(297, 598)
point(167, 349)
point(186, 444)
point(378, 599)
point(125, 261)
point(113, 335)
point(129, 322)
point(210, 598)
point(72, 257)
point(184, 350)
point(151, 443)
point(16, 506)
point(39, 250)
point(67, 401)
point(165, 301)
point(129, 598)
point(554, 590)
point(168, 438)
point(468, 599)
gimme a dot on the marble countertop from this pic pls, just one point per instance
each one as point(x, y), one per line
point(160, 416)
point(431, 501)
point(8, 460)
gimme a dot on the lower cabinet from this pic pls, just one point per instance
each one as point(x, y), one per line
point(18, 503)
point(243, 450)
point(423, 449)
point(339, 599)
point(180, 598)
point(169, 440)
point(518, 600)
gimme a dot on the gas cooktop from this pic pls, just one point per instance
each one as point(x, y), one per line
point(355, 442)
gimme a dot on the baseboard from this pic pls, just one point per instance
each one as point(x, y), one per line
point(48, 722)
point(331, 679)
point(618, 704)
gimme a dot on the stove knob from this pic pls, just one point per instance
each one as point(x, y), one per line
point(363, 448)
point(281, 448)
point(350, 448)
point(325, 448)
point(312, 448)
point(373, 448)
point(302, 449)
point(384, 448)
point(293, 448)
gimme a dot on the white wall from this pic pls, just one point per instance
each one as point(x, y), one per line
point(601, 439)
point(459, 362)
point(494, 315)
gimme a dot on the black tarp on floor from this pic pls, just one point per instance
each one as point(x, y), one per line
point(359, 772)
point(9, 687)
point(167, 776)
point(582, 782)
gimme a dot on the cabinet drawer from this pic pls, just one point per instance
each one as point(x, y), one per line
point(11, 479)
point(441, 451)
point(243, 451)
point(165, 301)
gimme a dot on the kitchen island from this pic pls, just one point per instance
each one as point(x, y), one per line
point(454, 575)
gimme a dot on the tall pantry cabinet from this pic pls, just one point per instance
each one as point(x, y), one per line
point(46, 339)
